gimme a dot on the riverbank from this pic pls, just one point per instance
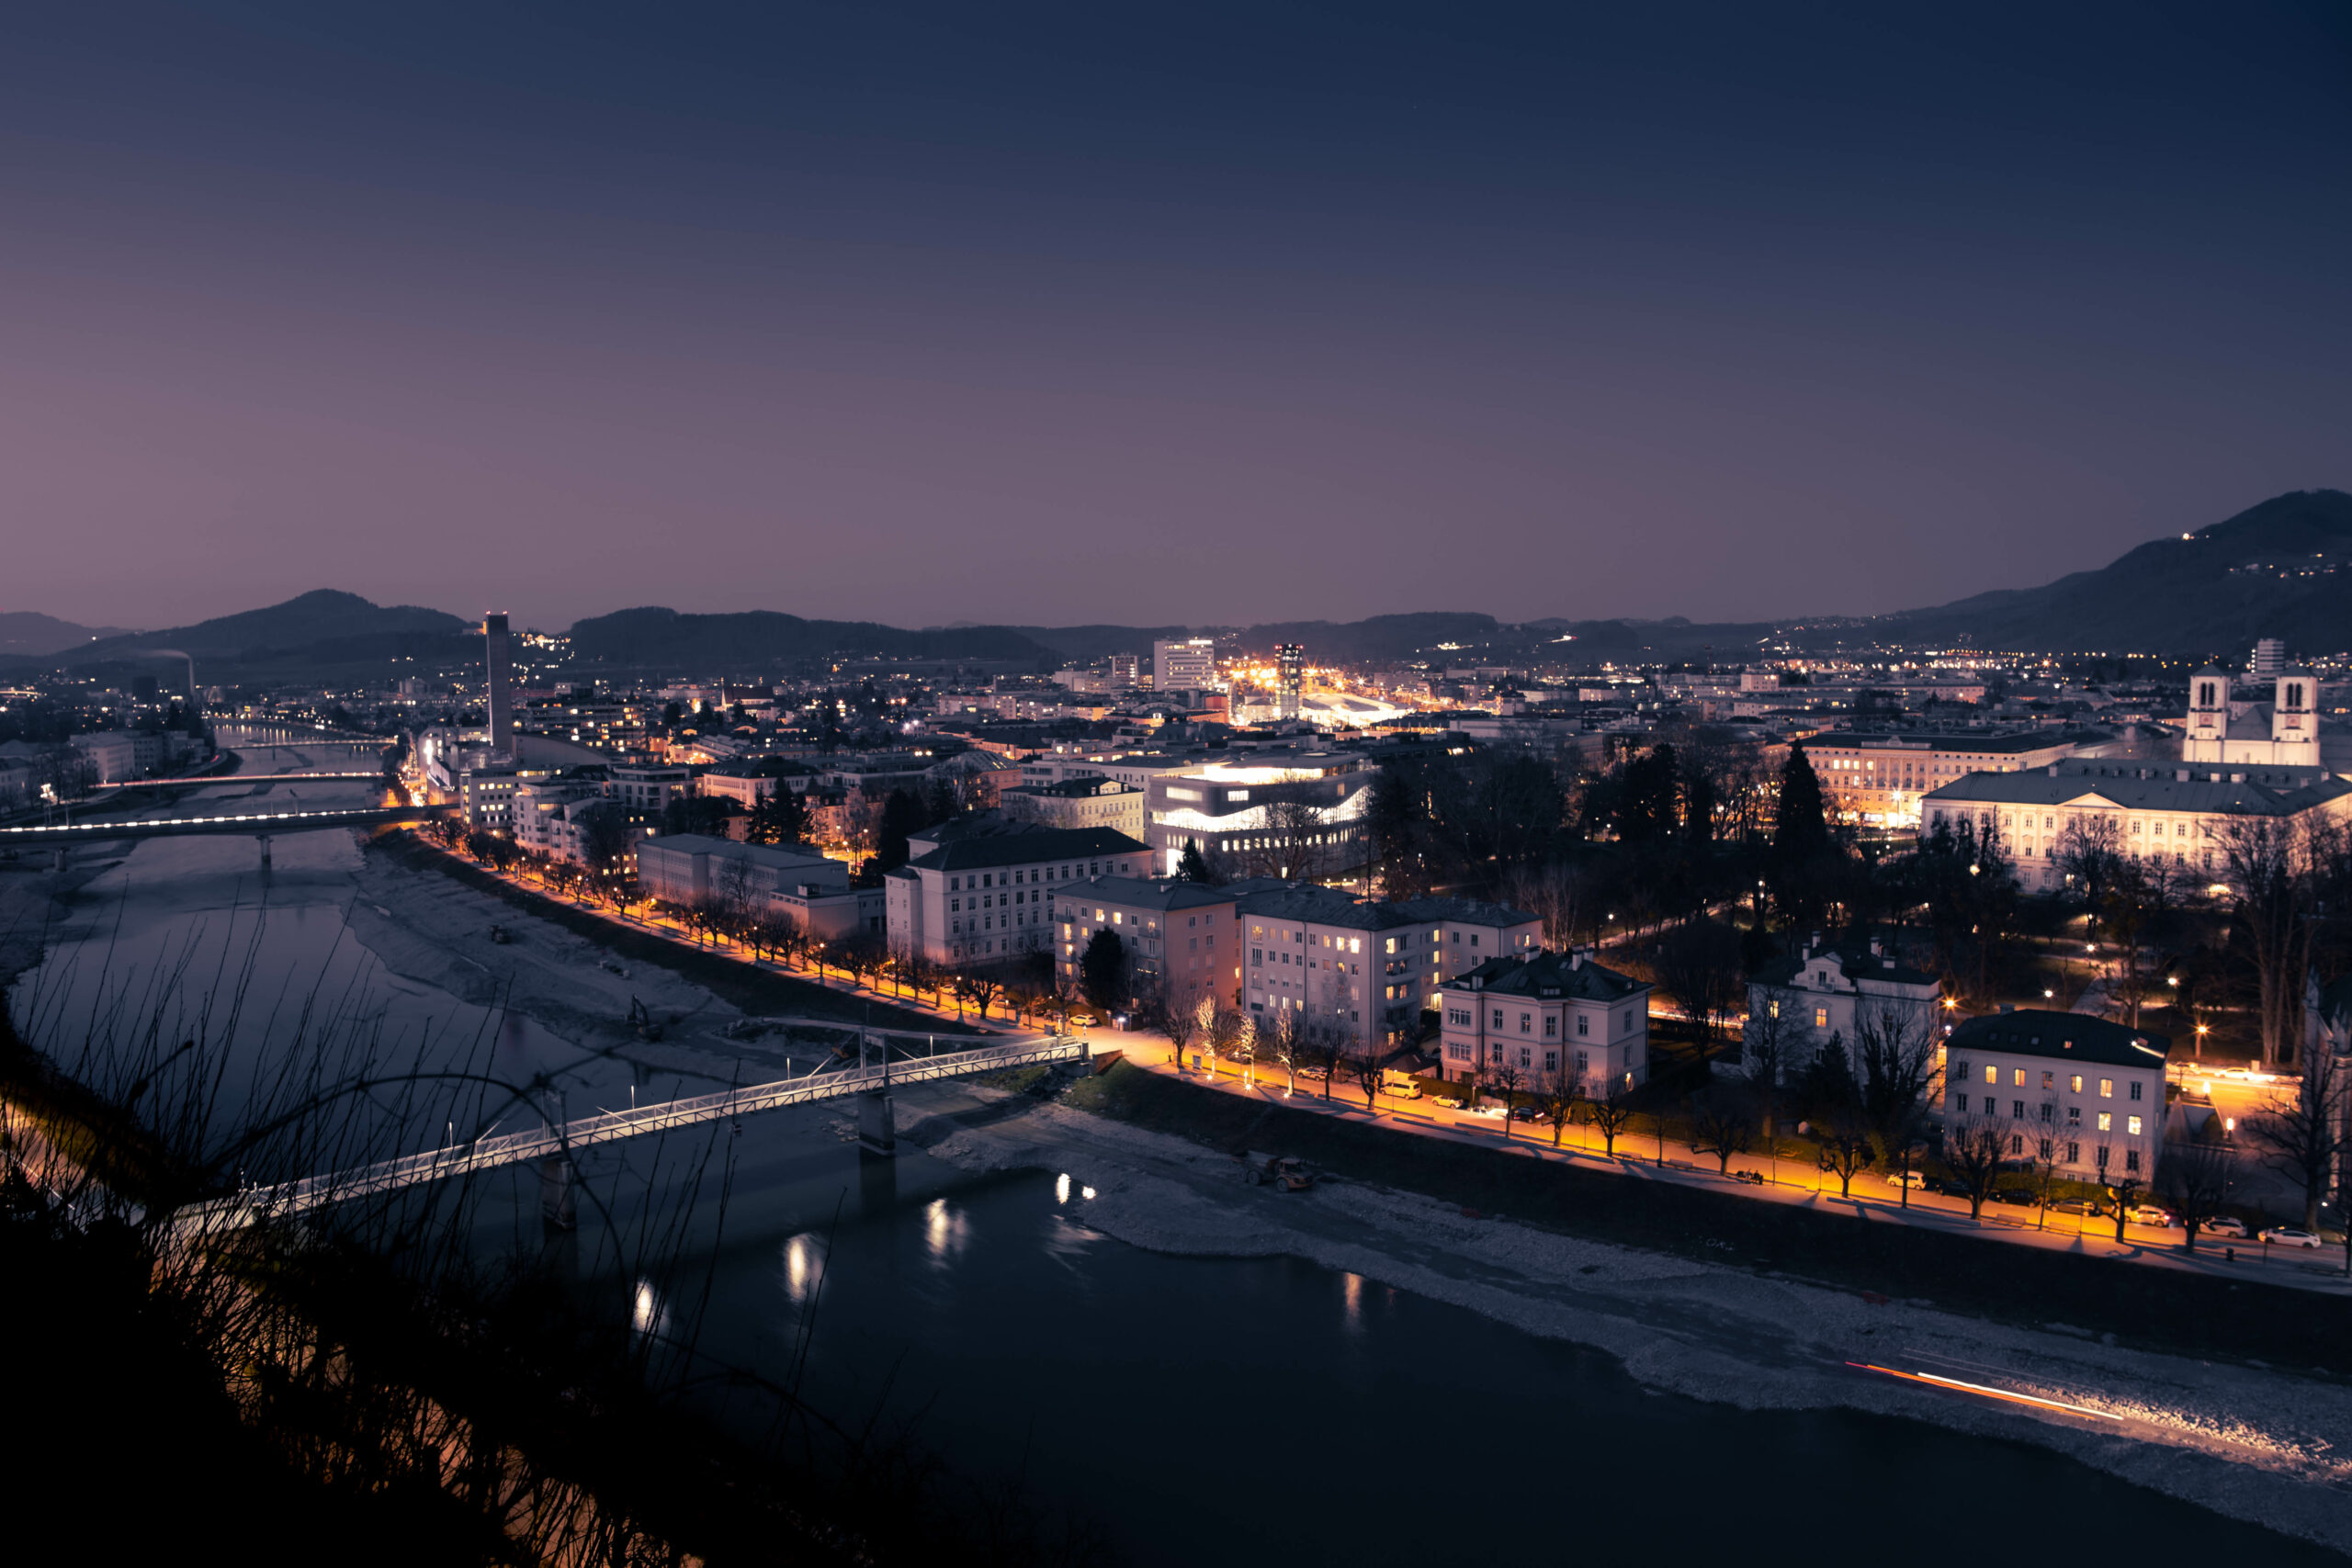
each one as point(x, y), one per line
point(2246, 1441)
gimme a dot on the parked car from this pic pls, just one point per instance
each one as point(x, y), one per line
point(1753, 1178)
point(2089, 1208)
point(2288, 1236)
point(2017, 1195)
point(2149, 1214)
point(1449, 1101)
point(2223, 1224)
point(1911, 1178)
point(1316, 1074)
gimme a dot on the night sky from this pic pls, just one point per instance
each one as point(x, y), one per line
point(1145, 313)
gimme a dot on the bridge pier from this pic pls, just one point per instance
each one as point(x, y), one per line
point(263, 839)
point(559, 1193)
point(61, 858)
point(878, 1132)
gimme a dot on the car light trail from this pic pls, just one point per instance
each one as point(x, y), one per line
point(1989, 1393)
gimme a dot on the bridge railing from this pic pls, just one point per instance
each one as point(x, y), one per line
point(611, 1126)
point(235, 821)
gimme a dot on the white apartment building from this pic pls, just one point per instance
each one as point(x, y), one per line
point(745, 789)
point(546, 816)
point(1798, 1006)
point(795, 882)
point(1179, 936)
point(983, 898)
point(487, 793)
point(1559, 1020)
point(2176, 814)
point(1359, 969)
point(2088, 1092)
point(645, 789)
point(1078, 803)
point(1186, 664)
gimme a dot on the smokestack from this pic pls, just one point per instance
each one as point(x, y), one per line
point(502, 681)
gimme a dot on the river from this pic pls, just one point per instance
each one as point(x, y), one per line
point(1198, 1409)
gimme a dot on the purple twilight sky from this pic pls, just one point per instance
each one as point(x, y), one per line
point(1148, 313)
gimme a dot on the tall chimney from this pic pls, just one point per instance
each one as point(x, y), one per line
point(502, 681)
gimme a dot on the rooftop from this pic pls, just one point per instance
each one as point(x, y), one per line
point(980, 853)
point(1545, 973)
point(1136, 893)
point(2069, 1036)
point(2278, 792)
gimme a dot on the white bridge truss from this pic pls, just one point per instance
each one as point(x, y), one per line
point(310, 1192)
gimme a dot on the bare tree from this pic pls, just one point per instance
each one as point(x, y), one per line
point(1369, 1072)
point(2048, 1171)
point(1845, 1153)
point(2271, 863)
point(1505, 1078)
point(1611, 1114)
point(1768, 1041)
point(2195, 1182)
point(1295, 843)
point(1560, 1103)
point(2306, 1142)
point(1182, 1026)
point(2090, 853)
point(1327, 1047)
point(1720, 1129)
point(978, 986)
point(1282, 1048)
point(1555, 891)
point(1897, 1046)
point(1976, 1150)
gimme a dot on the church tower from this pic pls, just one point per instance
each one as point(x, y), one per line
point(2294, 720)
point(2209, 716)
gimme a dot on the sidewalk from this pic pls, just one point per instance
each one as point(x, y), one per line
point(1785, 1181)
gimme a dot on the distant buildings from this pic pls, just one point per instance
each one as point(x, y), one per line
point(1290, 677)
point(1183, 665)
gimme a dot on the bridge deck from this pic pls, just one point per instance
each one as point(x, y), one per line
point(257, 822)
point(612, 1126)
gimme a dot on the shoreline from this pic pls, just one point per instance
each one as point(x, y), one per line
point(2251, 1445)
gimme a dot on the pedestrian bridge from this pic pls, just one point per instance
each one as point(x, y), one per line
point(256, 824)
point(559, 1142)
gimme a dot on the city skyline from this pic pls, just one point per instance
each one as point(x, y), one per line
point(1731, 319)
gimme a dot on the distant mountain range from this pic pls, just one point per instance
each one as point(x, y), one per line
point(2282, 569)
point(31, 633)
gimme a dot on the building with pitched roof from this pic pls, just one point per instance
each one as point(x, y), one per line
point(2083, 1093)
point(2176, 813)
point(985, 894)
point(1179, 936)
point(2232, 729)
point(1356, 970)
point(1557, 1020)
point(1802, 1005)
